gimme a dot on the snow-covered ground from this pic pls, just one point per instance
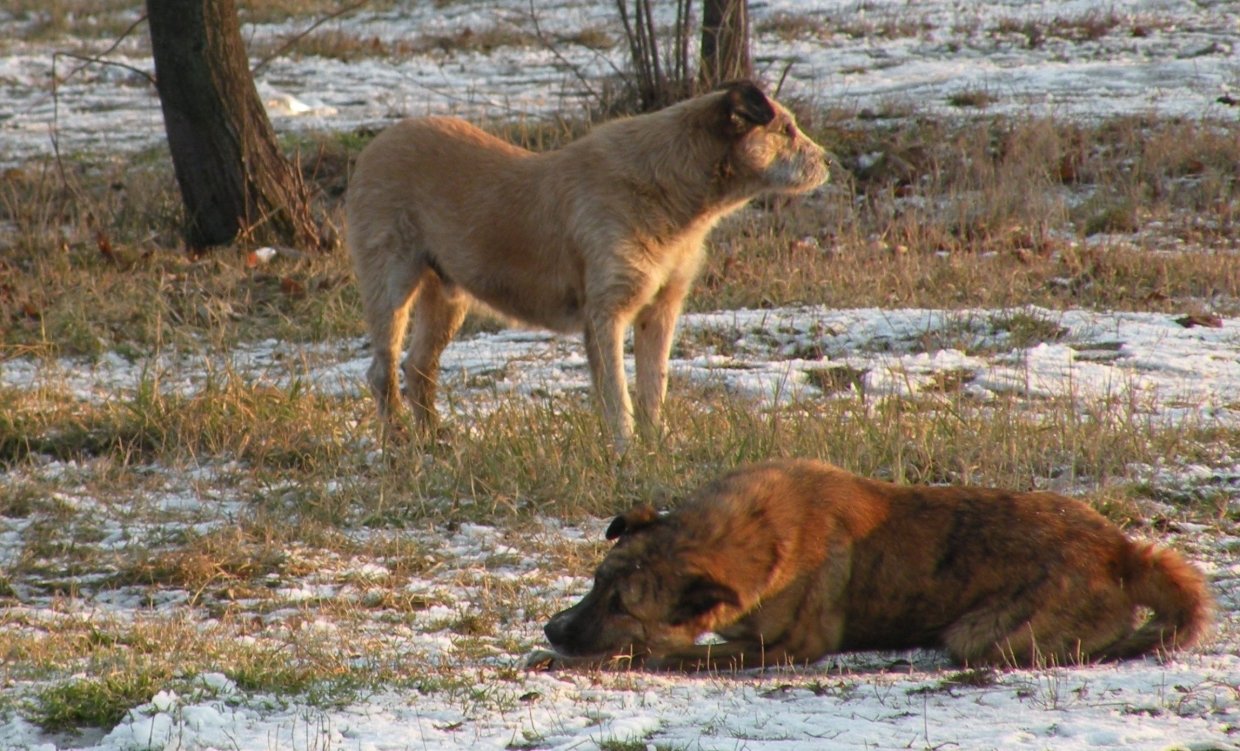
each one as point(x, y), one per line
point(1072, 59)
point(877, 700)
point(1157, 56)
point(1161, 367)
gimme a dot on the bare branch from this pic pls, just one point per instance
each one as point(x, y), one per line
point(86, 60)
point(563, 61)
point(293, 40)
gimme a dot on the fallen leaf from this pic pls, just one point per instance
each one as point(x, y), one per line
point(105, 246)
point(1202, 319)
point(292, 287)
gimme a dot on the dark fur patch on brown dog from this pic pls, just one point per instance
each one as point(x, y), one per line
point(792, 560)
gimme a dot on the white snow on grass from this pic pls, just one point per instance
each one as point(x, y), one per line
point(1158, 365)
point(868, 700)
point(1028, 58)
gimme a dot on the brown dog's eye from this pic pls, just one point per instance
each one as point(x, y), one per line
point(615, 606)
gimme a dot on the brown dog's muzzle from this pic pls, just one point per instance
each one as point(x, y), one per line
point(558, 629)
point(572, 631)
point(584, 629)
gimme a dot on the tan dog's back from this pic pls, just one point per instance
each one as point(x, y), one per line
point(501, 243)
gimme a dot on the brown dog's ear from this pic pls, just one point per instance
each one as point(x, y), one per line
point(700, 596)
point(636, 518)
point(745, 107)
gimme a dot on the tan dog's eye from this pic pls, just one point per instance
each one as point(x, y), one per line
point(790, 130)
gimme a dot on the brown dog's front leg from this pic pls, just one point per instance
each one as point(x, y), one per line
point(725, 656)
point(546, 660)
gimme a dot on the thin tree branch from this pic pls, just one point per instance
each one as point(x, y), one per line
point(563, 61)
point(293, 40)
point(86, 60)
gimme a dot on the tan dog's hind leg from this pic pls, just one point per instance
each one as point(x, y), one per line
point(437, 316)
point(652, 345)
point(386, 300)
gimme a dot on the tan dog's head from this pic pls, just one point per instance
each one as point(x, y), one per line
point(767, 152)
point(647, 600)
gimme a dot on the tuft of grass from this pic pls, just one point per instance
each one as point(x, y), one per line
point(976, 98)
point(496, 469)
point(278, 11)
point(225, 557)
point(228, 415)
point(1088, 26)
point(790, 26)
point(73, 22)
point(591, 37)
point(1027, 328)
point(97, 702)
point(347, 45)
point(838, 378)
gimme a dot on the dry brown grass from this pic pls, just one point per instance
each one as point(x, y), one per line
point(989, 213)
point(1130, 214)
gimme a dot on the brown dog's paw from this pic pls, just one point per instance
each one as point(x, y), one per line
point(542, 660)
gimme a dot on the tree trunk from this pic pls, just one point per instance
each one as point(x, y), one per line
point(234, 181)
point(725, 43)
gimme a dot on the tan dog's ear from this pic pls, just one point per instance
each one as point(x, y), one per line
point(636, 518)
point(700, 596)
point(745, 107)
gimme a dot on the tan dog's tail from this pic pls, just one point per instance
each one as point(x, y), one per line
point(1158, 578)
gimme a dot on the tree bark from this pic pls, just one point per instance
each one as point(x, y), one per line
point(725, 43)
point(235, 182)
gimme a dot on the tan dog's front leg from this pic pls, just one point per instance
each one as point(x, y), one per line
point(605, 352)
point(652, 345)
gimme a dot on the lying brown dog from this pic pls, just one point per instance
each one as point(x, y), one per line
point(792, 560)
point(603, 234)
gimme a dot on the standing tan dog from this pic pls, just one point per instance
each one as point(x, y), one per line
point(602, 234)
point(792, 560)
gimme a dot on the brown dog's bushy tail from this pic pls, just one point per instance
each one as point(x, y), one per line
point(1161, 580)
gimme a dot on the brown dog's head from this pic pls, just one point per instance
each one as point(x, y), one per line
point(647, 600)
point(768, 151)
